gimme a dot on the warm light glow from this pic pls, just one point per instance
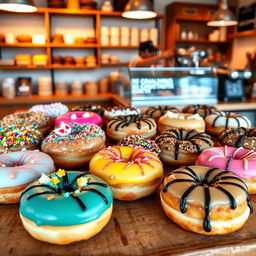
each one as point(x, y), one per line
point(139, 15)
point(18, 8)
point(222, 23)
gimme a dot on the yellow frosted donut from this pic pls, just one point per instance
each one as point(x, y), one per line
point(131, 172)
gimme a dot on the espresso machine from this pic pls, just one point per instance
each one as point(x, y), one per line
point(231, 84)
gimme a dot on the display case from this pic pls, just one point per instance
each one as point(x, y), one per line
point(168, 86)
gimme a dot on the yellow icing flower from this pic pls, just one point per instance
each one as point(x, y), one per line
point(61, 172)
point(82, 181)
point(55, 180)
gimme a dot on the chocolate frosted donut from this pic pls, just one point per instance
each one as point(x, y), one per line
point(158, 111)
point(205, 200)
point(239, 137)
point(220, 121)
point(89, 107)
point(202, 110)
point(123, 126)
point(181, 146)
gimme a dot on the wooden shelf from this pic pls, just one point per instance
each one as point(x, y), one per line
point(48, 67)
point(55, 45)
point(115, 64)
point(244, 34)
point(23, 45)
point(201, 41)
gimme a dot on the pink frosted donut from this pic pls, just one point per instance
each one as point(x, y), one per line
point(79, 117)
point(240, 161)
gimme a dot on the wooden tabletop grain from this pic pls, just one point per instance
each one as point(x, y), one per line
point(136, 228)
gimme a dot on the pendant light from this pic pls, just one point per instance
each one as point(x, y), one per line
point(18, 5)
point(139, 9)
point(223, 16)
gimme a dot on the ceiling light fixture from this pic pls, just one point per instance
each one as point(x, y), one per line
point(139, 9)
point(223, 16)
point(18, 5)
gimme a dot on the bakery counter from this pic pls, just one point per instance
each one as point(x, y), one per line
point(8, 106)
point(136, 228)
point(248, 104)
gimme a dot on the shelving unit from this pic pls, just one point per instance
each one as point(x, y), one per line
point(243, 34)
point(193, 17)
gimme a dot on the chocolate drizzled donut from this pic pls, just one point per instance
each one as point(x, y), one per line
point(89, 107)
point(158, 111)
point(239, 137)
point(125, 121)
point(181, 139)
point(202, 110)
point(211, 181)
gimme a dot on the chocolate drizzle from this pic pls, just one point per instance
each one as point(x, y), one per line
point(202, 110)
point(228, 116)
point(238, 135)
point(214, 182)
point(161, 110)
point(125, 121)
point(197, 140)
point(68, 187)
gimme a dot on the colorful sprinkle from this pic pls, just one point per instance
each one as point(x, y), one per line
point(50, 197)
point(82, 181)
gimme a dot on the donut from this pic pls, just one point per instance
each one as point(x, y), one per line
point(182, 146)
point(89, 107)
point(52, 110)
point(141, 142)
point(72, 146)
point(131, 172)
point(220, 121)
point(158, 111)
point(66, 207)
point(38, 120)
point(205, 200)
point(16, 137)
point(202, 110)
point(181, 120)
point(239, 137)
point(123, 126)
point(18, 169)
point(79, 117)
point(240, 161)
point(116, 111)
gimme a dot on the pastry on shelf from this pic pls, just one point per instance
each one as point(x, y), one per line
point(69, 60)
point(39, 60)
point(57, 60)
point(91, 40)
point(91, 61)
point(56, 4)
point(24, 38)
point(23, 60)
point(79, 61)
point(88, 5)
point(79, 40)
point(58, 38)
point(2, 38)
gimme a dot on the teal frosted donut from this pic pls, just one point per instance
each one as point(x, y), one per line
point(66, 207)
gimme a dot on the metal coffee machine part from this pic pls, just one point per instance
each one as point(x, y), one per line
point(231, 84)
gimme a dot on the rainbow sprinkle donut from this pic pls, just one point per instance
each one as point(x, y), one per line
point(15, 137)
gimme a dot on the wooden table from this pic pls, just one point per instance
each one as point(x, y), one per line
point(136, 228)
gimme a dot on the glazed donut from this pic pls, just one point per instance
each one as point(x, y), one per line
point(79, 117)
point(131, 172)
point(220, 121)
point(181, 120)
point(239, 137)
point(141, 142)
point(116, 111)
point(89, 107)
point(205, 200)
point(123, 126)
point(18, 169)
point(202, 110)
point(158, 111)
point(240, 161)
point(181, 146)
point(66, 207)
point(72, 146)
point(39, 120)
point(16, 137)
